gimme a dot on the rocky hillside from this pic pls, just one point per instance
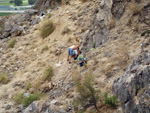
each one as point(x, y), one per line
point(114, 38)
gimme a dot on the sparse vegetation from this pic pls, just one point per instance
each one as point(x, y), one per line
point(11, 43)
point(44, 49)
point(112, 22)
point(64, 2)
point(65, 30)
point(87, 94)
point(135, 27)
point(18, 97)
point(49, 15)
point(48, 73)
point(111, 101)
point(83, 1)
point(145, 32)
point(135, 8)
point(46, 28)
point(3, 78)
point(28, 100)
point(28, 86)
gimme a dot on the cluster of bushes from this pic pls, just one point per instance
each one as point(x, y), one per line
point(88, 95)
point(17, 2)
point(31, 2)
point(26, 101)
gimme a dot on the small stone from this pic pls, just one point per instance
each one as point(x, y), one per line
point(7, 107)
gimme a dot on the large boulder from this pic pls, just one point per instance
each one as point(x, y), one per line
point(133, 88)
point(42, 107)
point(16, 30)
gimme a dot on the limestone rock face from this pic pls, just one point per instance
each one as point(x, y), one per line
point(133, 88)
point(99, 29)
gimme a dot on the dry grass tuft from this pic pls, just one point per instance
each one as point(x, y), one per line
point(65, 2)
point(135, 8)
point(46, 28)
point(66, 30)
point(11, 43)
point(49, 15)
point(119, 60)
point(44, 49)
point(112, 22)
point(83, 1)
point(3, 78)
point(48, 73)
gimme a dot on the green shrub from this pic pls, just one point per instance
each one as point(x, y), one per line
point(3, 78)
point(28, 100)
point(11, 43)
point(112, 101)
point(48, 73)
point(87, 93)
point(46, 28)
point(18, 98)
point(28, 86)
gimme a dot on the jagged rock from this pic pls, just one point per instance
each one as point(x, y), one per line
point(6, 34)
point(42, 107)
point(118, 8)
point(7, 107)
point(99, 28)
point(16, 30)
point(44, 4)
point(31, 11)
point(133, 88)
point(1, 36)
point(7, 26)
point(145, 14)
point(35, 21)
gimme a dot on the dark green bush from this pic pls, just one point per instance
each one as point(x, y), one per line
point(31, 2)
point(28, 100)
point(17, 2)
point(112, 101)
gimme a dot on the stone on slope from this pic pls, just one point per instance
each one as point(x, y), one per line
point(42, 107)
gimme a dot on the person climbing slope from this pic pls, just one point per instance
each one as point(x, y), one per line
point(73, 51)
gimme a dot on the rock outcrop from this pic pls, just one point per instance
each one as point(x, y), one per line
point(133, 88)
point(99, 28)
point(17, 25)
point(42, 107)
point(44, 4)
